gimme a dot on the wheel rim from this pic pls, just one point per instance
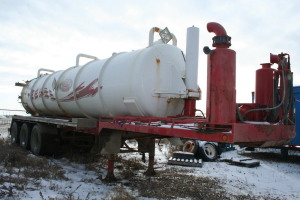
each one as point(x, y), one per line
point(210, 150)
point(189, 146)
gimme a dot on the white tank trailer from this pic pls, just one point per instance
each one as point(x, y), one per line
point(152, 82)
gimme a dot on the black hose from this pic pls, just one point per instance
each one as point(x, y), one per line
point(201, 113)
point(290, 103)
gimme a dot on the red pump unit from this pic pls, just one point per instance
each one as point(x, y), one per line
point(273, 93)
point(221, 64)
point(264, 86)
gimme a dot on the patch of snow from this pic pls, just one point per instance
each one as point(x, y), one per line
point(254, 122)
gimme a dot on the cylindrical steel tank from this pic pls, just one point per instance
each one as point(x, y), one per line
point(146, 82)
point(264, 86)
point(221, 64)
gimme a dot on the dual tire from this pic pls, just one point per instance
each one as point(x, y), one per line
point(25, 133)
point(37, 141)
point(15, 133)
point(204, 150)
point(40, 139)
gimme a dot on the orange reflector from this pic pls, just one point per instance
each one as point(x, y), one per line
point(224, 137)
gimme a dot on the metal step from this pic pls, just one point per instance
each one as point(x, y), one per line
point(184, 159)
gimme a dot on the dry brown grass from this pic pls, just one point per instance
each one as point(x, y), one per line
point(120, 193)
point(19, 166)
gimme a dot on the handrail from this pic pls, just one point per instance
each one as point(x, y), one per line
point(84, 55)
point(44, 70)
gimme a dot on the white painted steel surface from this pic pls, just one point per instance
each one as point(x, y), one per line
point(146, 82)
point(192, 54)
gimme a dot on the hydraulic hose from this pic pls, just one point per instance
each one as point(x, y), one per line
point(201, 113)
point(290, 103)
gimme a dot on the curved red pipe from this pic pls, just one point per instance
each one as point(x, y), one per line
point(216, 28)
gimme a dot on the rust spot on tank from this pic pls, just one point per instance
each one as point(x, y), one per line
point(156, 29)
point(169, 100)
point(158, 61)
point(158, 75)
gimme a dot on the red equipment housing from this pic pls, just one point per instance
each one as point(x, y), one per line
point(273, 93)
point(264, 86)
point(221, 64)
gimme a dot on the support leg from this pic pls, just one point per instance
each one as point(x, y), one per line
point(110, 168)
point(150, 171)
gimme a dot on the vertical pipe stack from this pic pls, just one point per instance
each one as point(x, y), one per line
point(221, 64)
point(191, 70)
point(192, 53)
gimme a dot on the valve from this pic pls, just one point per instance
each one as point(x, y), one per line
point(206, 50)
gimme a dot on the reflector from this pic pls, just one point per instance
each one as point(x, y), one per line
point(165, 35)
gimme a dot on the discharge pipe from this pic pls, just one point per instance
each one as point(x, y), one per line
point(216, 28)
point(221, 40)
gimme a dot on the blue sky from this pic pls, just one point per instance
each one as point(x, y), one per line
point(50, 33)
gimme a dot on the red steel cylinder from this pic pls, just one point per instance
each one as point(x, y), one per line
point(264, 94)
point(190, 107)
point(221, 66)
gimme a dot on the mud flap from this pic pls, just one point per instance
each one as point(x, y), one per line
point(144, 145)
point(108, 142)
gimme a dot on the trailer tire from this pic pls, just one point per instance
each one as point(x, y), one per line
point(15, 133)
point(209, 152)
point(37, 141)
point(25, 134)
point(190, 146)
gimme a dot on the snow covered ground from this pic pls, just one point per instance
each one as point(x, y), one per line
point(273, 179)
point(276, 179)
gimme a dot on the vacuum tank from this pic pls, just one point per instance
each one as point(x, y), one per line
point(145, 82)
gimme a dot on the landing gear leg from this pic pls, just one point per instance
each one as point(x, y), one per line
point(150, 171)
point(110, 168)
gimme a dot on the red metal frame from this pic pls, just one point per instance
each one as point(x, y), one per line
point(249, 134)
